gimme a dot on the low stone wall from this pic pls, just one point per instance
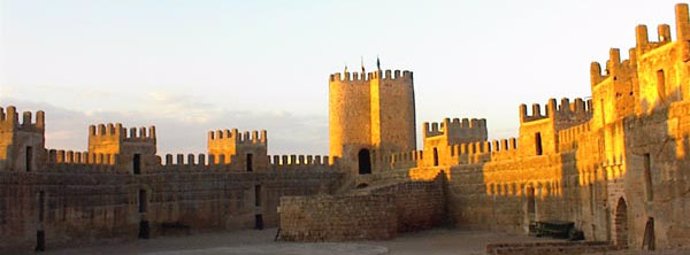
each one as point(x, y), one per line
point(337, 218)
point(418, 205)
point(548, 248)
point(374, 214)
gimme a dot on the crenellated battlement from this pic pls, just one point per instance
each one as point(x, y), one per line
point(118, 132)
point(69, 157)
point(457, 131)
point(405, 159)
point(619, 70)
point(234, 136)
point(485, 147)
point(644, 45)
point(563, 111)
point(381, 75)
point(9, 120)
point(298, 162)
point(191, 160)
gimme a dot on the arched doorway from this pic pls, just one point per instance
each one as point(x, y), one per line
point(620, 222)
point(364, 161)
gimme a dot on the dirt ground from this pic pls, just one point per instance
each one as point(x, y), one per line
point(254, 242)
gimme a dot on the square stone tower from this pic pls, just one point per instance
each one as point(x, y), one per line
point(371, 115)
point(134, 151)
point(22, 144)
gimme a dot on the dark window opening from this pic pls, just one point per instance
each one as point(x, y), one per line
point(250, 164)
point(364, 161)
point(435, 157)
point(648, 177)
point(531, 201)
point(136, 163)
point(142, 201)
point(144, 229)
point(649, 242)
point(40, 240)
point(591, 199)
point(661, 83)
point(258, 222)
point(621, 224)
point(257, 195)
point(41, 205)
point(29, 158)
point(537, 142)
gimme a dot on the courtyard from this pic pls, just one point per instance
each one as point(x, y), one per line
point(253, 242)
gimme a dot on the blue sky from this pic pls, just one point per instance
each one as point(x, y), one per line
point(192, 66)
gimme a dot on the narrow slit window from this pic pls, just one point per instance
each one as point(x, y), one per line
point(41, 205)
point(142, 201)
point(250, 163)
point(29, 158)
point(648, 188)
point(435, 157)
point(537, 142)
point(257, 195)
point(661, 83)
point(136, 164)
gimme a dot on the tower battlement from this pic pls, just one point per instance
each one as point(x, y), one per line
point(565, 110)
point(234, 136)
point(239, 148)
point(382, 75)
point(664, 31)
point(457, 130)
point(9, 120)
point(118, 132)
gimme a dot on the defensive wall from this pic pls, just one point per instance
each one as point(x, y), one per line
point(373, 213)
point(120, 189)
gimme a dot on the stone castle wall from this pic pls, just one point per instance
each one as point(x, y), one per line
point(81, 207)
point(120, 189)
point(376, 213)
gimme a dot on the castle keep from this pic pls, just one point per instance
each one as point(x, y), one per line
point(370, 112)
point(615, 164)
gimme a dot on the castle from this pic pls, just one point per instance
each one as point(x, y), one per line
point(611, 164)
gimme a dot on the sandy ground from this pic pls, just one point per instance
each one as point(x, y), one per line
point(253, 242)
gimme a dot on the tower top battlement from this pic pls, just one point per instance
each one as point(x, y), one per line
point(555, 111)
point(366, 76)
point(118, 132)
point(457, 131)
point(234, 136)
point(9, 120)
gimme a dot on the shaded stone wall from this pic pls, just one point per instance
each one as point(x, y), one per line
point(82, 207)
point(372, 213)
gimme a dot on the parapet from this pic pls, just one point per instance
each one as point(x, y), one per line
point(234, 136)
point(457, 131)
point(117, 131)
point(405, 159)
point(664, 31)
point(62, 161)
point(382, 75)
point(579, 109)
point(298, 162)
point(455, 128)
point(80, 158)
point(9, 120)
point(614, 67)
